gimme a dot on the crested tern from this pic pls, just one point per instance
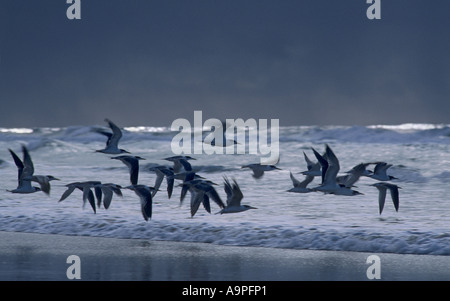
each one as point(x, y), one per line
point(108, 189)
point(179, 162)
point(313, 168)
point(258, 169)
point(300, 187)
point(112, 144)
point(188, 183)
point(132, 162)
point(88, 195)
point(26, 175)
point(144, 193)
point(234, 198)
point(353, 175)
point(43, 181)
point(201, 193)
point(382, 189)
point(161, 172)
point(380, 172)
point(188, 176)
point(329, 184)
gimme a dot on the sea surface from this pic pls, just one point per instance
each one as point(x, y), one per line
point(419, 153)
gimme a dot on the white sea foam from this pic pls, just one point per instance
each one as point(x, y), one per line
point(16, 130)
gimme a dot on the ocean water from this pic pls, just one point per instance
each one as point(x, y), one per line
point(420, 154)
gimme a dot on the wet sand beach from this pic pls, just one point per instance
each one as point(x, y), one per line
point(43, 257)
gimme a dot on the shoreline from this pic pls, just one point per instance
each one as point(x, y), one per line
point(44, 257)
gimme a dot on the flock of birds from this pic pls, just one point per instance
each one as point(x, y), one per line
point(201, 189)
point(327, 167)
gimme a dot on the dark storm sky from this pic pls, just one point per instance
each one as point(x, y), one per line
point(144, 62)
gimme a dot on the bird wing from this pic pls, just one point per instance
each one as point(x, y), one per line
point(295, 182)
point(43, 181)
point(134, 171)
point(170, 183)
point(186, 165)
point(116, 189)
point(184, 189)
point(206, 203)
point(159, 179)
point(107, 134)
point(394, 195)
point(133, 166)
point(237, 195)
point(107, 196)
point(28, 169)
point(116, 135)
point(19, 165)
point(354, 174)
point(212, 193)
point(228, 190)
point(381, 197)
point(309, 163)
point(98, 193)
point(380, 168)
point(333, 166)
point(89, 196)
point(145, 196)
point(323, 163)
point(190, 176)
point(177, 166)
point(196, 200)
point(66, 193)
point(258, 172)
point(351, 180)
point(308, 179)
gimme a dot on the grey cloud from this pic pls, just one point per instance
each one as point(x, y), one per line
point(150, 62)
